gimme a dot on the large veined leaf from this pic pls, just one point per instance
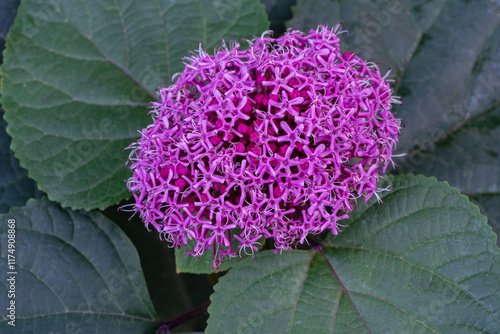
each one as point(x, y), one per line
point(76, 272)
point(445, 58)
point(79, 75)
point(424, 261)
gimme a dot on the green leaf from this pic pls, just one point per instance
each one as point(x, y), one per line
point(76, 272)
point(424, 261)
point(79, 76)
point(454, 73)
point(468, 159)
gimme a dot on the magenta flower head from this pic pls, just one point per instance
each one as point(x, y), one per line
point(276, 141)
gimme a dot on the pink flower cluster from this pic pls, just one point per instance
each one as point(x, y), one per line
point(276, 141)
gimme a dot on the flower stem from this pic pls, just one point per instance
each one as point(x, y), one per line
point(167, 326)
